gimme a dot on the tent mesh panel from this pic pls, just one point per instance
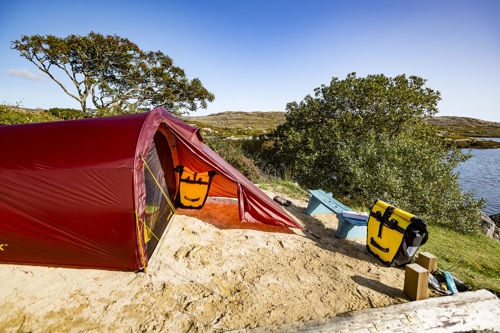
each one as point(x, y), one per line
point(158, 210)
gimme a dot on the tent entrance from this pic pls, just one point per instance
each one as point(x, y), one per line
point(160, 182)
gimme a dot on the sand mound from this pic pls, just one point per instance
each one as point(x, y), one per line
point(206, 276)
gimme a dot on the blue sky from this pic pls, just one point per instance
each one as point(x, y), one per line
point(259, 55)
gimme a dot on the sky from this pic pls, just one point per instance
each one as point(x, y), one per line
point(260, 55)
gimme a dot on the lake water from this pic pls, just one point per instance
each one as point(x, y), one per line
point(481, 175)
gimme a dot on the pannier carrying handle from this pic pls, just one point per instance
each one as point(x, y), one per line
point(180, 169)
point(387, 221)
point(378, 246)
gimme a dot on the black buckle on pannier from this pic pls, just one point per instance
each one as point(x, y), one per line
point(387, 221)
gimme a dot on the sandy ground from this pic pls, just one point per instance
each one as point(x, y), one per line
point(207, 276)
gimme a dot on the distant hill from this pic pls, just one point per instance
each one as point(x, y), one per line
point(468, 132)
point(237, 124)
point(464, 126)
point(465, 131)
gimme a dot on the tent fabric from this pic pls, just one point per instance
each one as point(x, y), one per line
point(254, 205)
point(72, 193)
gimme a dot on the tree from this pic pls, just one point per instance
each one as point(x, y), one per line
point(114, 73)
point(365, 138)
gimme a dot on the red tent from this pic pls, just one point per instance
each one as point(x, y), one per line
point(81, 193)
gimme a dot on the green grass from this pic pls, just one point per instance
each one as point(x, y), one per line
point(474, 259)
point(285, 187)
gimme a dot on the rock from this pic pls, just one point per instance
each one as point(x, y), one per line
point(496, 219)
point(496, 234)
point(488, 225)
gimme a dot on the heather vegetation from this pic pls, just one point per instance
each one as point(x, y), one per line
point(233, 154)
point(464, 127)
point(15, 115)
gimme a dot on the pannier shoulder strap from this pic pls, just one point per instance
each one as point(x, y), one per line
point(420, 223)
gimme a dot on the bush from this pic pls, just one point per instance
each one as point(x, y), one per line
point(15, 115)
point(66, 114)
point(231, 152)
point(364, 139)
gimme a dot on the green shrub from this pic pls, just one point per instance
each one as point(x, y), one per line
point(15, 115)
point(66, 114)
point(364, 139)
point(231, 152)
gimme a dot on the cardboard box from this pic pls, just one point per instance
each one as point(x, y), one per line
point(427, 261)
point(416, 280)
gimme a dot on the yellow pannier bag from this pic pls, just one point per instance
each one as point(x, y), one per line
point(193, 187)
point(393, 235)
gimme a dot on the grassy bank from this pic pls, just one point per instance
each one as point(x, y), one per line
point(473, 259)
point(285, 187)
